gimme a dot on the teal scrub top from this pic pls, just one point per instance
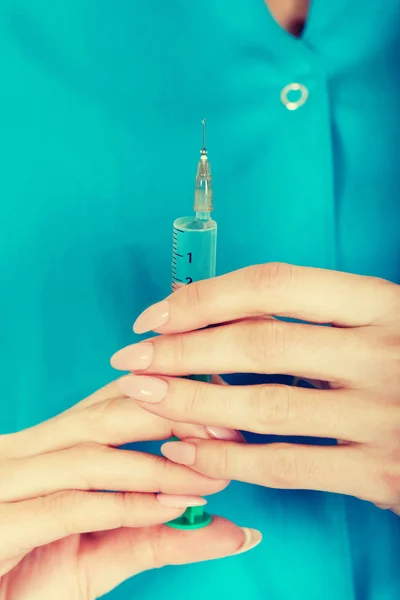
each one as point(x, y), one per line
point(100, 110)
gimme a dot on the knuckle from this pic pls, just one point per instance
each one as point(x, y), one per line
point(194, 401)
point(274, 275)
point(174, 349)
point(273, 335)
point(393, 348)
point(384, 362)
point(125, 503)
point(280, 468)
point(262, 340)
point(192, 295)
point(162, 469)
point(161, 548)
point(273, 406)
point(81, 459)
point(6, 475)
point(97, 418)
point(223, 466)
point(86, 449)
point(61, 506)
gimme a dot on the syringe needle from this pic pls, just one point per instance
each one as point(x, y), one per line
point(204, 149)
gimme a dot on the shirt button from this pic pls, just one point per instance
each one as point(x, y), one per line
point(294, 95)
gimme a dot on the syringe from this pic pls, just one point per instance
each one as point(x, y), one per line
point(195, 237)
point(193, 259)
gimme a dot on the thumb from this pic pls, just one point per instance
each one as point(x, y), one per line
point(111, 557)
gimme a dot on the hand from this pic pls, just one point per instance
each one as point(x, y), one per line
point(359, 357)
point(61, 538)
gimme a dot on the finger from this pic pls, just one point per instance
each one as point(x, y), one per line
point(253, 347)
point(140, 550)
point(315, 295)
point(32, 523)
point(114, 421)
point(344, 470)
point(264, 409)
point(93, 467)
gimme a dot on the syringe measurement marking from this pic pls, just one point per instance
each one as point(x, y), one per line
point(175, 256)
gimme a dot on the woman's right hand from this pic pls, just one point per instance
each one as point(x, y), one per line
point(62, 537)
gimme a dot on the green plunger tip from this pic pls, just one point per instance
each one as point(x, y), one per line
point(194, 517)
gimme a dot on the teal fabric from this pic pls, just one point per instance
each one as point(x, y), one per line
point(100, 109)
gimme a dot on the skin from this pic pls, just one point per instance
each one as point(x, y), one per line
point(290, 14)
point(357, 357)
point(62, 536)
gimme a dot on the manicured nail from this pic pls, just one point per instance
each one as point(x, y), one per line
point(252, 538)
point(145, 389)
point(180, 501)
point(228, 435)
point(133, 358)
point(152, 318)
point(180, 452)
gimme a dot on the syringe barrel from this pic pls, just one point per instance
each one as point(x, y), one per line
point(194, 250)
point(193, 259)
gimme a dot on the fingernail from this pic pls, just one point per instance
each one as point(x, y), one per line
point(252, 538)
point(217, 379)
point(228, 435)
point(180, 452)
point(145, 389)
point(180, 501)
point(133, 358)
point(152, 318)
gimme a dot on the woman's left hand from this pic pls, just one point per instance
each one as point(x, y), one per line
point(358, 357)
